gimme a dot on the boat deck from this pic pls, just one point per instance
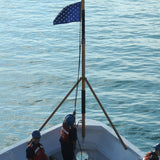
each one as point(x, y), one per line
point(82, 155)
point(100, 143)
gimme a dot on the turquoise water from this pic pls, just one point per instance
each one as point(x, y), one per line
point(39, 66)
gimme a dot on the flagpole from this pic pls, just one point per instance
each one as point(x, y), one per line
point(83, 66)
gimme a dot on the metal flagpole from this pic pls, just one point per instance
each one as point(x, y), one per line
point(83, 66)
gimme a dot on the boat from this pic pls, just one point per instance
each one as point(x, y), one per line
point(96, 140)
point(100, 143)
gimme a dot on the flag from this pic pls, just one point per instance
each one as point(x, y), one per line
point(71, 13)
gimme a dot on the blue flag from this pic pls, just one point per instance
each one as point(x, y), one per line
point(71, 13)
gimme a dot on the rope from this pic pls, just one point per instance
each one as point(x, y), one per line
point(78, 73)
point(79, 62)
point(80, 39)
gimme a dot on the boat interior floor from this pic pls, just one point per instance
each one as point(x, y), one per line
point(82, 155)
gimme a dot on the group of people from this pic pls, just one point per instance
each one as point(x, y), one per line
point(68, 137)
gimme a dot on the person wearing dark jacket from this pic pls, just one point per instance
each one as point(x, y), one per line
point(153, 155)
point(35, 150)
point(68, 137)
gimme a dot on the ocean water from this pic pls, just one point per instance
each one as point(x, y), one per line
point(39, 65)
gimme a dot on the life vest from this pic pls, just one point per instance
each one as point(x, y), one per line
point(39, 152)
point(151, 156)
point(65, 133)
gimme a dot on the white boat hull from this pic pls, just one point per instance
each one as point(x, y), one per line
point(100, 143)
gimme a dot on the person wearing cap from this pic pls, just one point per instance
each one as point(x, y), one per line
point(68, 137)
point(153, 155)
point(35, 150)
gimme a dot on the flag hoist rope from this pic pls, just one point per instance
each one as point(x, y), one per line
point(79, 64)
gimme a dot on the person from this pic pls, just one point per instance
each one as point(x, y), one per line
point(68, 137)
point(153, 155)
point(35, 150)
